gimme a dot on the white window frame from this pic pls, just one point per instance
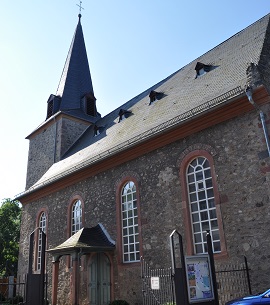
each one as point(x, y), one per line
point(130, 227)
point(76, 217)
point(202, 205)
point(42, 223)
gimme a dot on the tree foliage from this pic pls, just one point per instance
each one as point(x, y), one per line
point(10, 215)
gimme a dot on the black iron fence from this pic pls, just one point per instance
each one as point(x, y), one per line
point(12, 290)
point(157, 285)
point(232, 281)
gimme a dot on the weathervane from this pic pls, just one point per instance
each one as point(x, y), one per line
point(80, 6)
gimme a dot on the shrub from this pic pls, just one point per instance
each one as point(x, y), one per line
point(2, 297)
point(16, 300)
point(119, 302)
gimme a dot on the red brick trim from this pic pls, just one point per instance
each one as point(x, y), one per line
point(185, 201)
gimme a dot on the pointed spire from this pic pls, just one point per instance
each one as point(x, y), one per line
point(76, 80)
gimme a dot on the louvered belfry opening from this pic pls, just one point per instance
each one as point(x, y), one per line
point(90, 104)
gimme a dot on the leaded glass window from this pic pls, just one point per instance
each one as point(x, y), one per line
point(76, 217)
point(202, 205)
point(130, 229)
point(42, 226)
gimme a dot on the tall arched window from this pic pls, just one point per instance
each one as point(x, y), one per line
point(130, 228)
point(76, 217)
point(42, 223)
point(202, 205)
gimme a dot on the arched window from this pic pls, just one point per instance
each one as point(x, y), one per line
point(202, 204)
point(130, 227)
point(42, 223)
point(76, 217)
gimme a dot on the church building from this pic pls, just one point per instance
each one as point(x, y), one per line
point(190, 153)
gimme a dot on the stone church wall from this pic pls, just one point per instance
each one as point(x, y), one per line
point(242, 170)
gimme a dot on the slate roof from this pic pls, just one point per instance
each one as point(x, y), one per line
point(76, 79)
point(87, 240)
point(185, 96)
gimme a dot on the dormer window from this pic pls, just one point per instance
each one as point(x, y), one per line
point(123, 114)
point(96, 130)
point(154, 96)
point(202, 69)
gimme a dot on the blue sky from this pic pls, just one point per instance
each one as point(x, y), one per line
point(131, 46)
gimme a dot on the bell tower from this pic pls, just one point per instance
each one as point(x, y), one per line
point(69, 112)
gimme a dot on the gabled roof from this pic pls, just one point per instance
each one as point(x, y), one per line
point(86, 240)
point(76, 79)
point(185, 98)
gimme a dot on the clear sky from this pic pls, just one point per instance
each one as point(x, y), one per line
point(131, 46)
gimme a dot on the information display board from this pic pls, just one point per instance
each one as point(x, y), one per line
point(199, 278)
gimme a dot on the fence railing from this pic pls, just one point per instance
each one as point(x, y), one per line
point(12, 290)
point(233, 281)
point(157, 285)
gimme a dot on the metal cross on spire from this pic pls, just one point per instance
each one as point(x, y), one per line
point(80, 6)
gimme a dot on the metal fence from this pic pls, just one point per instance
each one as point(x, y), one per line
point(157, 285)
point(12, 290)
point(232, 279)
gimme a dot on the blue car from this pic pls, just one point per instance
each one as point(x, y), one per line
point(263, 298)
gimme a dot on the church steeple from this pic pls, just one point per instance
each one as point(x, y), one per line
point(75, 89)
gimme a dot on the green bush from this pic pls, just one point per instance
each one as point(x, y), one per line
point(16, 300)
point(2, 297)
point(119, 302)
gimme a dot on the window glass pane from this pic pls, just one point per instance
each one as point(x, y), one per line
point(216, 246)
point(203, 205)
point(191, 178)
point(196, 227)
point(208, 183)
point(192, 188)
point(213, 214)
point(198, 237)
point(199, 248)
point(194, 207)
point(193, 197)
point(214, 224)
point(202, 195)
point(207, 173)
point(199, 176)
point(195, 217)
point(215, 235)
point(211, 203)
point(204, 216)
point(205, 226)
point(210, 193)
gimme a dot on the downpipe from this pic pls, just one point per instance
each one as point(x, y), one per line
point(262, 117)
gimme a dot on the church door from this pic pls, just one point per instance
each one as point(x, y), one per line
point(99, 280)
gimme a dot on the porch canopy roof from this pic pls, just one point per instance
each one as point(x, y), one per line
point(86, 240)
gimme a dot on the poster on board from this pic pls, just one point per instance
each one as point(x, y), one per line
point(199, 278)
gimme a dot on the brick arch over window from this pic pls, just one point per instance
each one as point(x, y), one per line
point(41, 222)
point(129, 238)
point(201, 203)
point(75, 202)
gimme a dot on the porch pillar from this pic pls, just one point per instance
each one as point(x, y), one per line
point(55, 272)
point(75, 279)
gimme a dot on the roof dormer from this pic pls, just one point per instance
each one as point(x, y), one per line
point(123, 114)
point(202, 69)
